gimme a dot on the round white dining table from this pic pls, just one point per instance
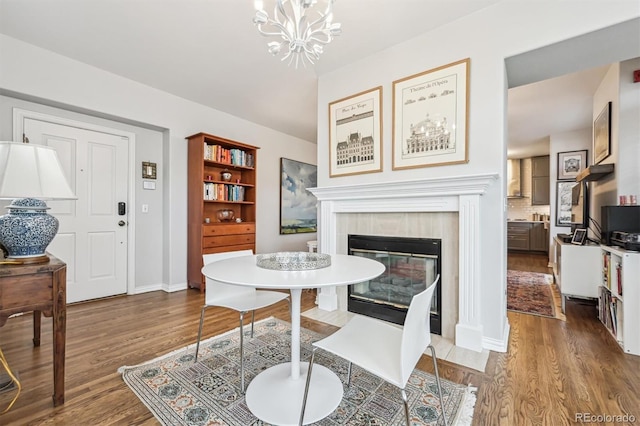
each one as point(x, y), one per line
point(275, 395)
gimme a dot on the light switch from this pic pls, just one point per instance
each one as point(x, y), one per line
point(145, 208)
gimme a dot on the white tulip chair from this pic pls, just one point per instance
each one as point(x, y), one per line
point(239, 298)
point(384, 349)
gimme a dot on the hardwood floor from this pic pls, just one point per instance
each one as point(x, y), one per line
point(531, 262)
point(553, 369)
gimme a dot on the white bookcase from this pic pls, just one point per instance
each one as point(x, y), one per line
point(619, 297)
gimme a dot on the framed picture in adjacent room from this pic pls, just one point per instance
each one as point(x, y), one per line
point(430, 117)
point(298, 207)
point(579, 236)
point(571, 163)
point(571, 205)
point(602, 135)
point(355, 134)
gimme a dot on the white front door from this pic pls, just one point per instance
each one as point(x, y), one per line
point(92, 239)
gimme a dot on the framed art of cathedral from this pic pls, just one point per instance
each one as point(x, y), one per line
point(430, 116)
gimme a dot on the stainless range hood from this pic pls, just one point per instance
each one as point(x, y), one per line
point(514, 178)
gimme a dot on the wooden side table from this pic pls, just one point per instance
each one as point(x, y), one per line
point(41, 288)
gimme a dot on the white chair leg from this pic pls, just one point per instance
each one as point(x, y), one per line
point(435, 369)
point(241, 352)
point(253, 316)
point(200, 330)
point(306, 386)
point(406, 406)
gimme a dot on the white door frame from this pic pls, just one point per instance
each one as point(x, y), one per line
point(19, 115)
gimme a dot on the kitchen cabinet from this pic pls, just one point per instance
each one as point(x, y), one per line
point(540, 166)
point(538, 237)
point(518, 235)
point(527, 236)
point(540, 181)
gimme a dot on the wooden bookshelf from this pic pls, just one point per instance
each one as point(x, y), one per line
point(619, 297)
point(208, 193)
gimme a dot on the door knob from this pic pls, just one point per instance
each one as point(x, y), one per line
point(122, 223)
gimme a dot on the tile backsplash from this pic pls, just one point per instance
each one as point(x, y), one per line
point(521, 208)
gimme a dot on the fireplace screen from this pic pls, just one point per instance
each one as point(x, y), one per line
point(411, 264)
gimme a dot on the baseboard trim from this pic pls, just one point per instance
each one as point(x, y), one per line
point(161, 287)
point(498, 345)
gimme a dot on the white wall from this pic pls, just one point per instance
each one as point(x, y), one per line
point(628, 158)
point(29, 72)
point(618, 88)
point(487, 38)
point(604, 192)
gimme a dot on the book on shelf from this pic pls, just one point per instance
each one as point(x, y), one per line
point(231, 156)
point(614, 317)
point(620, 322)
point(604, 312)
point(223, 192)
point(606, 275)
point(619, 277)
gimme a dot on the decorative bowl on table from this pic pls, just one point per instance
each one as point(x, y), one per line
point(225, 215)
point(293, 261)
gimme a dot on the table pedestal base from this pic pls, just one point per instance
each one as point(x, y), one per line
point(274, 397)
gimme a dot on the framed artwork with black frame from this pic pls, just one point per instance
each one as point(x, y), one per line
point(572, 204)
point(570, 163)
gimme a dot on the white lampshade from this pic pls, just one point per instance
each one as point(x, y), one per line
point(32, 171)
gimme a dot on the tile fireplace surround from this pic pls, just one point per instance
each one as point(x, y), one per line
point(419, 207)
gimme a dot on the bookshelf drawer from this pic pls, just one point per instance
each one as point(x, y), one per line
point(228, 229)
point(228, 240)
point(221, 249)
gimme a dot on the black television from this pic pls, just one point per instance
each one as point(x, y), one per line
point(618, 218)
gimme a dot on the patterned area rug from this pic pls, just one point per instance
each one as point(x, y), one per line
point(530, 293)
point(180, 392)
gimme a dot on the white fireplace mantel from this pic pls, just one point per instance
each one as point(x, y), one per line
point(451, 194)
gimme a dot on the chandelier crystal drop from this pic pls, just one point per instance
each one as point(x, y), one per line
point(302, 28)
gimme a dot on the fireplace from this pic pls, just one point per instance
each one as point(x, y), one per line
point(411, 264)
point(442, 195)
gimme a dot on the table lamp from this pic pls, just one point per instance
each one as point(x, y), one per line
point(29, 174)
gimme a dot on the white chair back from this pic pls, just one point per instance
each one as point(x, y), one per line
point(416, 334)
point(215, 290)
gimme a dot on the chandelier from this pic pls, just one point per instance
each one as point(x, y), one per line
point(303, 28)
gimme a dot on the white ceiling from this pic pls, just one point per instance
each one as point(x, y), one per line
point(209, 52)
point(550, 107)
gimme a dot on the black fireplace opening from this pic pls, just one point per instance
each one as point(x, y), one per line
point(411, 264)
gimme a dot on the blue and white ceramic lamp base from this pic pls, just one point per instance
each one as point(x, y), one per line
point(27, 229)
